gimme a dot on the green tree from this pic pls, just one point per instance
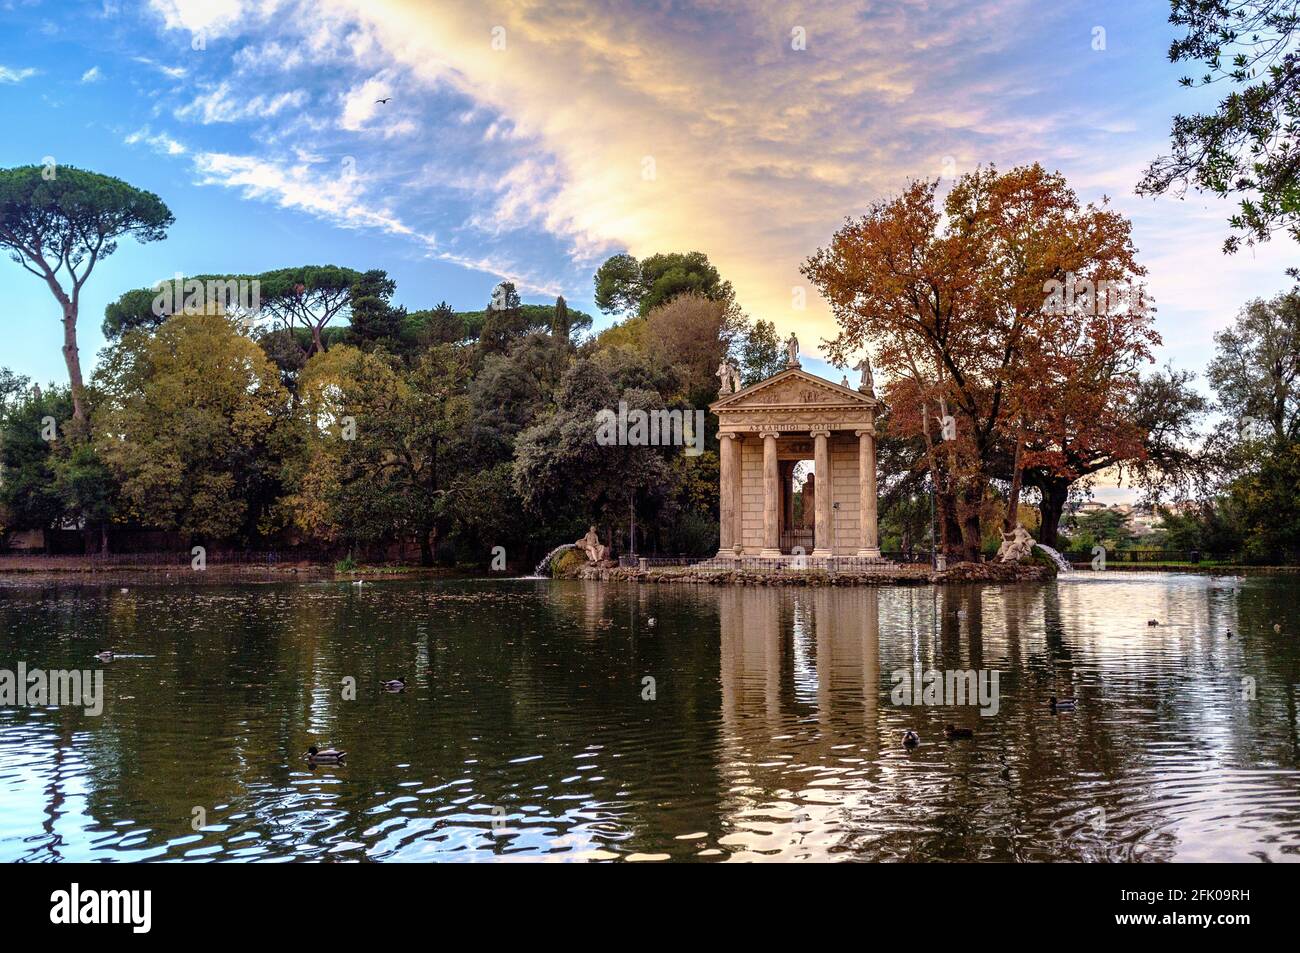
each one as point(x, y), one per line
point(188, 427)
point(374, 320)
point(1247, 146)
point(761, 353)
point(1256, 370)
point(627, 286)
point(308, 297)
point(58, 222)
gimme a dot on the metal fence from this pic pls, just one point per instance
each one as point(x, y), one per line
point(1192, 556)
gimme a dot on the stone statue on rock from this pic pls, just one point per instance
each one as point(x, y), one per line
point(1016, 545)
point(591, 546)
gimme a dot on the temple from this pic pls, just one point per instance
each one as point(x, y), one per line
point(765, 430)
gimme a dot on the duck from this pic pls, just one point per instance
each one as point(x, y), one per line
point(650, 622)
point(953, 733)
point(1063, 704)
point(395, 684)
point(1229, 633)
point(1277, 628)
point(105, 656)
point(911, 739)
point(325, 755)
point(359, 582)
point(1153, 622)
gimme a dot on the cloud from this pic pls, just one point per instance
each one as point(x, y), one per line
point(221, 105)
point(92, 75)
point(11, 75)
point(160, 142)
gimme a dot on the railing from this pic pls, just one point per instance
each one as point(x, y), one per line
point(1192, 556)
point(805, 538)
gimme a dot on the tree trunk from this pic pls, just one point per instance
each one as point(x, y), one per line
point(426, 549)
point(1013, 495)
point(1055, 491)
point(72, 356)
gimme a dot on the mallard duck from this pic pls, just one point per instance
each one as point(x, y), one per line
point(1063, 704)
point(325, 755)
point(1152, 622)
point(105, 656)
point(953, 733)
point(395, 684)
point(911, 739)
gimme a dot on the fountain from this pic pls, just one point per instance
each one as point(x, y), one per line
point(544, 567)
point(1062, 564)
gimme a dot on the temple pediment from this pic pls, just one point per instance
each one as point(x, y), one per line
point(794, 400)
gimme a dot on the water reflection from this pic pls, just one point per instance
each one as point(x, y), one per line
point(527, 730)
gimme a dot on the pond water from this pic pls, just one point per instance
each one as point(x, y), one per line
point(770, 731)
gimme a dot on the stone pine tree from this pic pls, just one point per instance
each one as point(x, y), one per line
point(57, 222)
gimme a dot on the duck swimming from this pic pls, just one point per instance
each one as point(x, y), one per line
point(911, 739)
point(1152, 622)
point(325, 755)
point(395, 684)
point(1062, 704)
point(953, 733)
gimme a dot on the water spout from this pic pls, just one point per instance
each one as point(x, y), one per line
point(1062, 564)
point(544, 567)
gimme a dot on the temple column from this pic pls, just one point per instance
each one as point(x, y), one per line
point(729, 499)
point(824, 527)
point(771, 497)
point(869, 541)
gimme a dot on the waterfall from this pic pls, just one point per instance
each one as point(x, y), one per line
point(1061, 562)
point(544, 567)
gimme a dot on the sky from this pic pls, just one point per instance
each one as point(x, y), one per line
point(530, 140)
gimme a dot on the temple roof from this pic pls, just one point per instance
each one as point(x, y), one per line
point(794, 399)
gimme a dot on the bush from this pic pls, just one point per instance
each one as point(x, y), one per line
point(346, 564)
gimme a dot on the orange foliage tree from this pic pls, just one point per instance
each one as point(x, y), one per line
point(983, 307)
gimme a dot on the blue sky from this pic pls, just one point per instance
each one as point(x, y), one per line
point(529, 140)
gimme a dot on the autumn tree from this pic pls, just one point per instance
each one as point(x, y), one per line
point(58, 222)
point(187, 427)
point(956, 298)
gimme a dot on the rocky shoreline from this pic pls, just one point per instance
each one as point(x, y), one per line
point(883, 576)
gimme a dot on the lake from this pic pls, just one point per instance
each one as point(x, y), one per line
point(554, 720)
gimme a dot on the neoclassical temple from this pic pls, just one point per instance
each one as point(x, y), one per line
point(765, 430)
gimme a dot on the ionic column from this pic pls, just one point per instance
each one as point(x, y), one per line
point(771, 497)
point(869, 541)
point(729, 494)
point(823, 528)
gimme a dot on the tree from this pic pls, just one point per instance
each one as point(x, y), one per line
point(58, 222)
point(1256, 371)
point(962, 305)
point(625, 285)
point(376, 463)
point(761, 353)
point(373, 318)
point(1247, 146)
point(308, 297)
point(615, 479)
point(692, 334)
point(29, 429)
point(187, 427)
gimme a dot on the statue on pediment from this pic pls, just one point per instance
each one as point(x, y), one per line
point(868, 385)
point(792, 351)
